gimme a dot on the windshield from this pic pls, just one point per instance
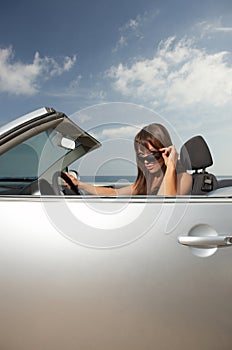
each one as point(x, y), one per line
point(28, 159)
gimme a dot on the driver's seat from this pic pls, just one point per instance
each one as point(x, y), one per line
point(195, 155)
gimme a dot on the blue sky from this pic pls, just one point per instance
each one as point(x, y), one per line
point(173, 57)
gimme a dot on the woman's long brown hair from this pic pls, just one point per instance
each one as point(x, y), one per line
point(157, 136)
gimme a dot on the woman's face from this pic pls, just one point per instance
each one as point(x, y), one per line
point(154, 163)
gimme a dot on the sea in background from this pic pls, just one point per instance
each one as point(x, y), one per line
point(121, 178)
point(109, 178)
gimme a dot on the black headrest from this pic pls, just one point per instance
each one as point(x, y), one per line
point(195, 154)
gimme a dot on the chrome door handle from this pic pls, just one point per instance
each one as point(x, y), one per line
point(207, 241)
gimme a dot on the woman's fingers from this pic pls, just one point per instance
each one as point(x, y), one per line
point(169, 154)
point(73, 179)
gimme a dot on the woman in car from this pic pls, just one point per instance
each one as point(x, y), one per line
point(159, 170)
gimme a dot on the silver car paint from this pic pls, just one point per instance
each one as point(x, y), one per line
point(59, 291)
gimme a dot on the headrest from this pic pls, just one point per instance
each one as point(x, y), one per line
point(195, 154)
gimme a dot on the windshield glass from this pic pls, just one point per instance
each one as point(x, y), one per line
point(27, 160)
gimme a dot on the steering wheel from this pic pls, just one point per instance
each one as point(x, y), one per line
point(56, 186)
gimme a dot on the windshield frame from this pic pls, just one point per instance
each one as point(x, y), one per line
point(45, 120)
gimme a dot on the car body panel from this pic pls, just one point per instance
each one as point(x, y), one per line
point(58, 293)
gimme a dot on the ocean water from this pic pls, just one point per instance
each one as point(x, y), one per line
point(122, 178)
point(109, 178)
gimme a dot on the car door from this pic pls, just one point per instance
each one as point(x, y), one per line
point(110, 273)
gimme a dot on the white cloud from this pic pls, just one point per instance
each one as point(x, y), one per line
point(97, 94)
point(128, 131)
point(75, 84)
point(122, 42)
point(53, 68)
point(139, 22)
point(212, 28)
point(224, 29)
point(121, 132)
point(178, 74)
point(133, 23)
point(134, 28)
point(82, 117)
point(23, 78)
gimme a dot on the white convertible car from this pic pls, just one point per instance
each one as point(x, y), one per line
point(107, 273)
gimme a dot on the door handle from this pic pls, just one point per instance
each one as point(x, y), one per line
point(205, 241)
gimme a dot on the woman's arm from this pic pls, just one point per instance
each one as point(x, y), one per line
point(169, 184)
point(184, 183)
point(100, 190)
point(96, 190)
point(174, 184)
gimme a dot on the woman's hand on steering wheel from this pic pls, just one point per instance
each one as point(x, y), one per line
point(74, 180)
point(70, 181)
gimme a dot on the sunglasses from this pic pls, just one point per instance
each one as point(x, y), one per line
point(150, 158)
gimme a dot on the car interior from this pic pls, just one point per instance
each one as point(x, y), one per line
point(195, 156)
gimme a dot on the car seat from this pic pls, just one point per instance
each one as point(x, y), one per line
point(195, 155)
